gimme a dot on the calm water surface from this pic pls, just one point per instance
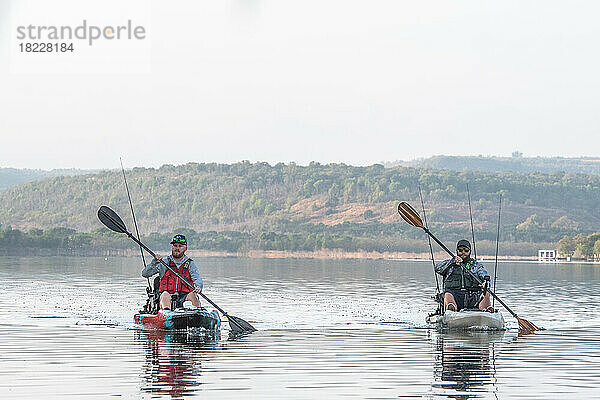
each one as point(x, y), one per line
point(327, 329)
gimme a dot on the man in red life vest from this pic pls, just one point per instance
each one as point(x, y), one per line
point(171, 283)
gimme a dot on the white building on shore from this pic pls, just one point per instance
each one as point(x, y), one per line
point(547, 255)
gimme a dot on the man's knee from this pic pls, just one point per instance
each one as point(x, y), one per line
point(165, 295)
point(485, 301)
point(449, 302)
point(165, 301)
point(191, 296)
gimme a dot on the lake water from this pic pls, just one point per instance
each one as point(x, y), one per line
point(327, 329)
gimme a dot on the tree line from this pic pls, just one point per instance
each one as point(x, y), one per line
point(101, 241)
point(15, 242)
point(580, 246)
point(516, 163)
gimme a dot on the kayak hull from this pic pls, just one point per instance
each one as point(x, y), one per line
point(180, 319)
point(468, 320)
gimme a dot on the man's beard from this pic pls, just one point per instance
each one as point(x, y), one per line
point(177, 254)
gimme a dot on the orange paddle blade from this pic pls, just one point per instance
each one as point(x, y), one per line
point(527, 327)
point(409, 214)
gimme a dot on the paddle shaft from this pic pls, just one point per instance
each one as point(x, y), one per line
point(479, 281)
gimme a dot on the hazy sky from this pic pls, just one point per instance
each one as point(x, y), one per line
point(277, 80)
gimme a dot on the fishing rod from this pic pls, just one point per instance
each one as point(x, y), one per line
point(137, 232)
point(497, 245)
point(437, 284)
point(471, 217)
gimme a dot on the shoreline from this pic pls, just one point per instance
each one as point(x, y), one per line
point(287, 254)
point(341, 255)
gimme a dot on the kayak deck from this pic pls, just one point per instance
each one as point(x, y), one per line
point(468, 320)
point(179, 319)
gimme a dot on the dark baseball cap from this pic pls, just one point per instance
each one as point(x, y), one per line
point(179, 239)
point(463, 243)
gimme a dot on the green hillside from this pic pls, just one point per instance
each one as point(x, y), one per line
point(334, 199)
point(516, 163)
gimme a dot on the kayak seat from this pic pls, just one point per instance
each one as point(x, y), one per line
point(177, 300)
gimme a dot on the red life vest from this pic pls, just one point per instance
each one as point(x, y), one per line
point(172, 283)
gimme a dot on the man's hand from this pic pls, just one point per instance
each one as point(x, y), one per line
point(157, 258)
point(457, 260)
point(197, 290)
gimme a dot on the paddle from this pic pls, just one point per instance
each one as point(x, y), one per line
point(113, 222)
point(410, 215)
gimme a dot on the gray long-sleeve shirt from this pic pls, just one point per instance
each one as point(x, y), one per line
point(445, 267)
point(156, 267)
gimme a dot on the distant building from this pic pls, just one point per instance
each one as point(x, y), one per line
point(547, 255)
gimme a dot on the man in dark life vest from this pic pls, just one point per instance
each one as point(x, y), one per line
point(460, 289)
point(171, 283)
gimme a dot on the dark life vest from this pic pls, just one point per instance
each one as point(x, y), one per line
point(172, 283)
point(458, 279)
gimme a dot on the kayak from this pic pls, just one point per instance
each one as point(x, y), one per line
point(180, 319)
point(468, 320)
point(186, 316)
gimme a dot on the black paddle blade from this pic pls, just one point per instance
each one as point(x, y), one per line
point(239, 326)
point(111, 220)
point(409, 214)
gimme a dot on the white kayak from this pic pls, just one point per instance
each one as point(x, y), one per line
point(468, 319)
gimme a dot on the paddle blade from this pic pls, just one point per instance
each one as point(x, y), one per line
point(111, 220)
point(239, 326)
point(409, 214)
point(527, 327)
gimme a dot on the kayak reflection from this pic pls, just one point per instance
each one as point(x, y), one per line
point(465, 364)
point(173, 361)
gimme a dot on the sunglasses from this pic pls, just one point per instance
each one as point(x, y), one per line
point(179, 240)
point(463, 249)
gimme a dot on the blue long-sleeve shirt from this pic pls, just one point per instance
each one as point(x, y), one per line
point(156, 267)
